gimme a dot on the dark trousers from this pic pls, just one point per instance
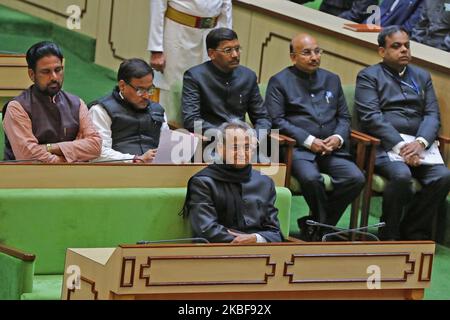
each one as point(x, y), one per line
point(347, 180)
point(409, 215)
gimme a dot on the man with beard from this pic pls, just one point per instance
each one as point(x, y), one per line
point(218, 90)
point(394, 98)
point(45, 123)
point(307, 103)
point(229, 201)
point(128, 122)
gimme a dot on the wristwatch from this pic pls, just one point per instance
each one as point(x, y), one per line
point(422, 143)
point(49, 147)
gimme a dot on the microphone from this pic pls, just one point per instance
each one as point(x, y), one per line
point(340, 231)
point(195, 240)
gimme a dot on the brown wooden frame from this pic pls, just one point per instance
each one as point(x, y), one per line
point(370, 169)
point(362, 143)
point(16, 253)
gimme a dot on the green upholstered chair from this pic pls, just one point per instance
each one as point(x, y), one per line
point(313, 4)
point(359, 145)
point(375, 184)
point(43, 223)
point(378, 183)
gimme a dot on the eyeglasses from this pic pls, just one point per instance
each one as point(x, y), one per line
point(309, 53)
point(229, 51)
point(141, 91)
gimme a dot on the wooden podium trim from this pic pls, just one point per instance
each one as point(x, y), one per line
point(430, 267)
point(197, 283)
point(130, 284)
point(350, 255)
point(92, 283)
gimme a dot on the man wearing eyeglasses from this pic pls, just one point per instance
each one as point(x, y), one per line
point(178, 29)
point(307, 103)
point(221, 89)
point(128, 122)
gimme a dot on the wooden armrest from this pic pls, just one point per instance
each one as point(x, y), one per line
point(282, 139)
point(372, 139)
point(444, 139)
point(292, 239)
point(17, 253)
point(360, 139)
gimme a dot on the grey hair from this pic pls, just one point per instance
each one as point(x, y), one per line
point(235, 124)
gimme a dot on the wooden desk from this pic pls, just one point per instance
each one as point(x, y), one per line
point(13, 75)
point(108, 175)
point(263, 271)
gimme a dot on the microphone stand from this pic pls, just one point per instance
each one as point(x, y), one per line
point(340, 231)
point(199, 240)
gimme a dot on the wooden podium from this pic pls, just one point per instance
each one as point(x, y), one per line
point(262, 271)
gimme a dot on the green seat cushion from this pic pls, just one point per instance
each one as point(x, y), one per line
point(45, 287)
point(16, 277)
point(313, 4)
point(297, 188)
point(46, 222)
point(379, 184)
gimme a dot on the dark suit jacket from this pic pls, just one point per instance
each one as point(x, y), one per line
point(301, 105)
point(387, 107)
point(433, 28)
point(207, 199)
point(214, 97)
point(406, 13)
point(354, 10)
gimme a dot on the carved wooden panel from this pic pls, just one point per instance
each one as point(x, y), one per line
point(347, 268)
point(202, 270)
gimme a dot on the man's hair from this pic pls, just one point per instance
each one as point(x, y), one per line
point(387, 32)
point(218, 35)
point(235, 124)
point(40, 50)
point(133, 68)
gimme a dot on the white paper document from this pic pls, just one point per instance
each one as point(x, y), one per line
point(176, 147)
point(428, 157)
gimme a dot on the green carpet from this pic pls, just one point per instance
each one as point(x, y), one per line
point(82, 77)
point(440, 283)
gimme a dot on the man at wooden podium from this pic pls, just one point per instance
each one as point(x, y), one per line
point(45, 123)
point(229, 201)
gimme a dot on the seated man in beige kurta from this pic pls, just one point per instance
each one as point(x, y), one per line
point(45, 123)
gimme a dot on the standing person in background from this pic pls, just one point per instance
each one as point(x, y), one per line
point(178, 29)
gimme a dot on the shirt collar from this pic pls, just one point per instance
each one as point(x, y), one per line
point(302, 74)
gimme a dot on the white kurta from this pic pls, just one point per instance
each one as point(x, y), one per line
point(183, 47)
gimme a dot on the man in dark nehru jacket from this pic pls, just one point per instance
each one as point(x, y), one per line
point(307, 104)
point(128, 122)
point(394, 99)
point(45, 123)
point(229, 201)
point(219, 90)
